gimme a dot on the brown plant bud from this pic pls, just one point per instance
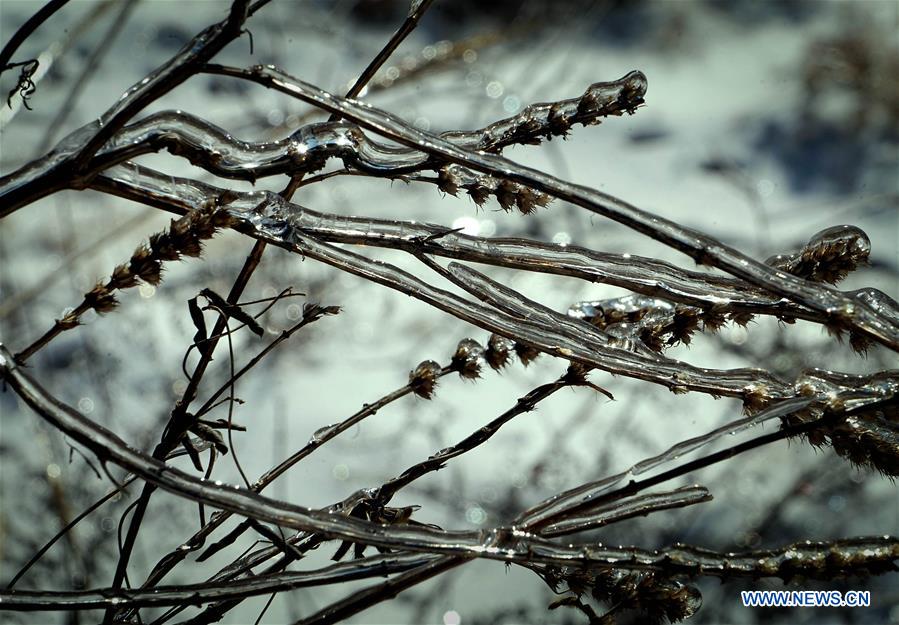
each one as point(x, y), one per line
point(121, 278)
point(447, 181)
point(499, 351)
point(559, 124)
point(100, 299)
point(313, 311)
point(526, 354)
point(741, 318)
point(529, 200)
point(506, 192)
point(423, 379)
point(147, 269)
point(652, 338)
point(180, 227)
point(755, 397)
point(859, 342)
point(190, 246)
point(163, 247)
point(684, 323)
point(68, 322)
point(712, 320)
point(467, 359)
point(479, 194)
point(221, 218)
point(203, 224)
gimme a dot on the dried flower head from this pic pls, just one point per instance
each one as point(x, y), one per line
point(467, 359)
point(499, 351)
point(526, 353)
point(423, 379)
point(755, 397)
point(100, 299)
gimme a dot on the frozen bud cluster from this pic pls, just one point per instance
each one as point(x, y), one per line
point(499, 351)
point(468, 358)
point(423, 379)
point(526, 353)
point(829, 256)
point(656, 322)
point(480, 187)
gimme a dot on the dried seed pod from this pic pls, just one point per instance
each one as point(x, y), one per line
point(221, 218)
point(528, 200)
point(859, 342)
point(559, 124)
point(467, 359)
point(100, 299)
point(509, 194)
point(145, 266)
point(121, 278)
point(712, 320)
point(505, 193)
point(499, 351)
point(190, 245)
point(829, 256)
point(741, 318)
point(478, 194)
point(868, 440)
point(447, 181)
point(684, 323)
point(526, 354)
point(68, 322)
point(183, 238)
point(755, 397)
point(548, 119)
point(423, 379)
point(162, 245)
point(652, 338)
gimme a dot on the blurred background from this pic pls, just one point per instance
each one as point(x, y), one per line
point(764, 123)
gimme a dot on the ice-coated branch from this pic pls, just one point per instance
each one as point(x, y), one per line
point(824, 560)
point(198, 594)
point(306, 150)
point(712, 295)
point(558, 506)
point(69, 164)
point(529, 322)
point(842, 311)
point(184, 237)
point(627, 508)
point(573, 377)
point(422, 382)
